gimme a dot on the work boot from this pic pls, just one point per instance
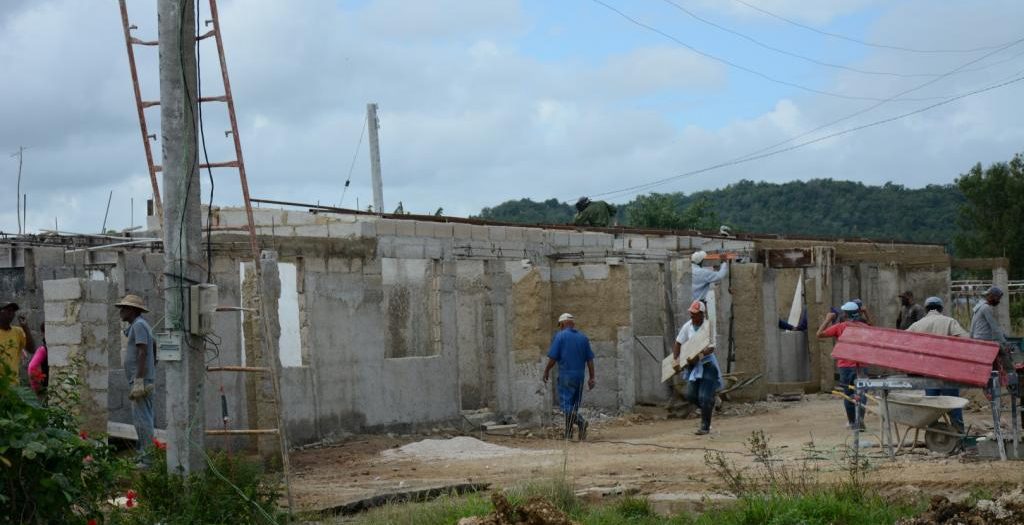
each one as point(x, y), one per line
point(583, 424)
point(568, 426)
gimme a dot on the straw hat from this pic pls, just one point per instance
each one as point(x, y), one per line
point(132, 301)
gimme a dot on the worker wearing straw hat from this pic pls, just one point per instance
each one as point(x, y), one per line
point(140, 370)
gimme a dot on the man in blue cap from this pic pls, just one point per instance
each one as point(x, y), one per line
point(570, 349)
point(847, 369)
point(934, 322)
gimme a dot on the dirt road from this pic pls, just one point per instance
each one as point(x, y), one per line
point(642, 451)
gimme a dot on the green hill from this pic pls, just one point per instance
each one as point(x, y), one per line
point(820, 207)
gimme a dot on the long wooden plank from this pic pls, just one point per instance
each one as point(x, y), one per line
point(693, 347)
point(126, 431)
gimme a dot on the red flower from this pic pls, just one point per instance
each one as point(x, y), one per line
point(131, 499)
point(160, 445)
point(131, 494)
point(87, 459)
point(83, 434)
point(129, 504)
point(92, 521)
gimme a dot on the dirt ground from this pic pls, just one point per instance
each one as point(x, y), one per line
point(643, 452)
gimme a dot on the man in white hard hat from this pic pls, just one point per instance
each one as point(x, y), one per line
point(702, 278)
point(848, 370)
point(934, 322)
point(570, 349)
point(140, 369)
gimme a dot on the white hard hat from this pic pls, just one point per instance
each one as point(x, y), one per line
point(565, 317)
point(698, 257)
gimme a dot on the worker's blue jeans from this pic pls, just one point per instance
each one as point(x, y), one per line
point(570, 393)
point(701, 392)
point(142, 419)
point(957, 416)
point(847, 378)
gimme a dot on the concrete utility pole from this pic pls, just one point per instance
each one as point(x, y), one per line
point(182, 231)
point(378, 187)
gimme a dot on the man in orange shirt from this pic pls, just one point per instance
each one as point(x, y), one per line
point(14, 340)
point(847, 369)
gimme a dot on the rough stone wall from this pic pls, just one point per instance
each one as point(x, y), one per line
point(81, 331)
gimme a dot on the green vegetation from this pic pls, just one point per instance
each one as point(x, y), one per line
point(773, 491)
point(820, 207)
point(50, 471)
point(992, 216)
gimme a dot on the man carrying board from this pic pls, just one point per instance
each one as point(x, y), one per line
point(701, 368)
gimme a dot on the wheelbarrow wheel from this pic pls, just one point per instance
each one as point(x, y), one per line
point(941, 438)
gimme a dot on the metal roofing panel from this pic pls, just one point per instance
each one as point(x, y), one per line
point(957, 359)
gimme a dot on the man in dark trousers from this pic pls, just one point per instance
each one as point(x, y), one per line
point(570, 349)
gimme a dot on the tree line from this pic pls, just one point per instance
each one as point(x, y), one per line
point(981, 214)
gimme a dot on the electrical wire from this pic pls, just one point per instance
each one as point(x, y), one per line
point(863, 42)
point(805, 58)
point(352, 165)
point(736, 65)
point(206, 155)
point(743, 160)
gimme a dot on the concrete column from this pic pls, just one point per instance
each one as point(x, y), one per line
point(261, 401)
point(81, 327)
point(1001, 279)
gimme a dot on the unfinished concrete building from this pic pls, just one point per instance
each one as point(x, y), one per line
point(399, 323)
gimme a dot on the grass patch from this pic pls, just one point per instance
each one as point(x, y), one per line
point(821, 507)
point(443, 510)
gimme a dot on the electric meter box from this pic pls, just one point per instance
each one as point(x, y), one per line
point(204, 299)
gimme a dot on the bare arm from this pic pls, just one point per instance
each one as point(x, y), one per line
point(824, 324)
point(141, 350)
point(551, 364)
point(30, 342)
point(590, 368)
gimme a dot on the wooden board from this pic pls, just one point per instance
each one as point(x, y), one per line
point(697, 344)
point(126, 431)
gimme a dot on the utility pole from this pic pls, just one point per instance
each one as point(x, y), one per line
point(378, 187)
point(182, 229)
point(21, 156)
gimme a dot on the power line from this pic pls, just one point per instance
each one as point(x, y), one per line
point(642, 187)
point(863, 42)
point(894, 97)
point(798, 55)
point(351, 166)
point(739, 66)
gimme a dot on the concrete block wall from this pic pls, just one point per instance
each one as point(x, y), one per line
point(81, 331)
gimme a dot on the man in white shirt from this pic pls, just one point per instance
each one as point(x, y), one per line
point(935, 323)
point(702, 371)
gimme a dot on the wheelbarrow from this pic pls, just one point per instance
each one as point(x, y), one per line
point(919, 412)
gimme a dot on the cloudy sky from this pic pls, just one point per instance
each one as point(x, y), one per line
point(487, 100)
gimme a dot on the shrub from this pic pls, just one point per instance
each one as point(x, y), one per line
point(50, 472)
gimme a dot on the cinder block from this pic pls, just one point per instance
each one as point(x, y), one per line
point(98, 337)
point(55, 312)
point(515, 234)
point(386, 227)
point(99, 291)
point(97, 313)
point(462, 230)
point(301, 218)
point(603, 240)
point(433, 250)
point(479, 233)
point(424, 229)
point(663, 243)
point(619, 244)
point(558, 239)
point(594, 271)
point(497, 233)
point(62, 290)
point(406, 228)
point(230, 217)
point(443, 230)
point(534, 234)
point(64, 334)
point(58, 355)
point(577, 240)
point(338, 265)
point(343, 230)
point(355, 265)
point(311, 230)
point(266, 216)
point(636, 242)
point(408, 251)
point(98, 379)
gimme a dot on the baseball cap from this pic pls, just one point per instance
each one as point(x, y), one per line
point(697, 306)
point(565, 317)
point(933, 300)
point(850, 307)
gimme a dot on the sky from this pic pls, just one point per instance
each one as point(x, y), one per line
point(483, 101)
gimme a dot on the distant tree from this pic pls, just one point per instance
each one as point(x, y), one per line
point(663, 210)
point(527, 211)
point(992, 218)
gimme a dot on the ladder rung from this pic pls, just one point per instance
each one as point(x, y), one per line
point(136, 41)
point(237, 369)
point(205, 35)
point(228, 164)
point(222, 98)
point(157, 167)
point(150, 103)
point(243, 432)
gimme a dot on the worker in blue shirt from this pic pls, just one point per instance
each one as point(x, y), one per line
point(570, 349)
point(702, 278)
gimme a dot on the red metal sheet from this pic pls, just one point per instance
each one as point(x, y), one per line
point(957, 359)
